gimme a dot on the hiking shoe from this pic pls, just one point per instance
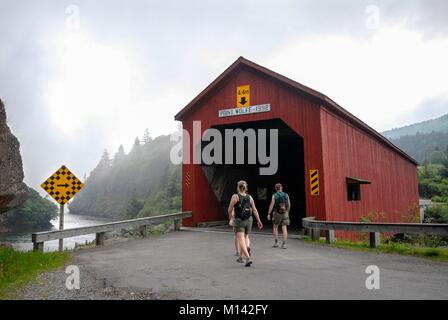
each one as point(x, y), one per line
point(275, 245)
point(248, 262)
point(240, 260)
point(283, 245)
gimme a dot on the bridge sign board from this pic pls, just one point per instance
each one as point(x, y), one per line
point(244, 110)
point(62, 185)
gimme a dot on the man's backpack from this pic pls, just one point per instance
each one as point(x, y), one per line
point(243, 209)
point(281, 202)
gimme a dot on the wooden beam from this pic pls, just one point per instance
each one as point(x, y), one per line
point(99, 239)
point(315, 234)
point(374, 238)
point(143, 231)
point(38, 246)
point(177, 224)
point(329, 236)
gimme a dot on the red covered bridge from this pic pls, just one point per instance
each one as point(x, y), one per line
point(333, 165)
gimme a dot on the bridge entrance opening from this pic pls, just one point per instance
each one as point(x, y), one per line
point(290, 173)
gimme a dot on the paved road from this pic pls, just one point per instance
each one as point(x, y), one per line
point(201, 265)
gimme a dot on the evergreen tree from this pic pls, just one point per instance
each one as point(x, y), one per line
point(437, 157)
point(136, 153)
point(146, 137)
point(105, 159)
point(136, 145)
point(119, 156)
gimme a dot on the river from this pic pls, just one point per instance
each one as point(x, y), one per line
point(22, 241)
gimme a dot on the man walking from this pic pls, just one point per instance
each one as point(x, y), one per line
point(279, 212)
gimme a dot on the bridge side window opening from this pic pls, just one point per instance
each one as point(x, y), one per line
point(262, 193)
point(354, 188)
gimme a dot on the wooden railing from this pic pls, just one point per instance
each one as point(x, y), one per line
point(39, 238)
point(373, 228)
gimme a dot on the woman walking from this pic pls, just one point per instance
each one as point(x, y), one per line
point(241, 209)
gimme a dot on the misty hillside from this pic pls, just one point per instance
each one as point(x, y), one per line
point(419, 140)
point(122, 185)
point(420, 146)
point(437, 125)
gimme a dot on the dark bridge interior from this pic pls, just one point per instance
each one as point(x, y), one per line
point(224, 177)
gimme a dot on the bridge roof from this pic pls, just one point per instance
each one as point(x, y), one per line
point(325, 101)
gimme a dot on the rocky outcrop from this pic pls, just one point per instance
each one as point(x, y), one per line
point(13, 191)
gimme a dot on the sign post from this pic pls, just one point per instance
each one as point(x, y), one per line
point(61, 226)
point(62, 186)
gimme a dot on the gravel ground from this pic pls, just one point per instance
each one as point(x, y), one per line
point(51, 286)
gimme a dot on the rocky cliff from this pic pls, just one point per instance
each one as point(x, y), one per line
point(12, 189)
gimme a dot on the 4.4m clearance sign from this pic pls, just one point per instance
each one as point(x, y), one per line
point(243, 96)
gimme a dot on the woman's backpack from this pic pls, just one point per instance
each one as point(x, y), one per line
point(243, 208)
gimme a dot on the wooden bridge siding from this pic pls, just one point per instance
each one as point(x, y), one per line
point(350, 152)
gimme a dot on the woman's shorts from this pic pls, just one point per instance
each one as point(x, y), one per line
point(243, 225)
point(281, 219)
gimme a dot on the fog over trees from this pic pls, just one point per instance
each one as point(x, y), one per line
point(142, 182)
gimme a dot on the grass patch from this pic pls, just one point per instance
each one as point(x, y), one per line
point(17, 268)
point(440, 253)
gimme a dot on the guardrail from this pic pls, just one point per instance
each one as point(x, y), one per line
point(39, 238)
point(373, 228)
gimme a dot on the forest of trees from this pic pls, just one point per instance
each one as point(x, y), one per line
point(36, 212)
point(433, 184)
point(141, 183)
point(420, 146)
point(433, 177)
point(427, 142)
point(419, 140)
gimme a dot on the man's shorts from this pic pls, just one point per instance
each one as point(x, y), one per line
point(243, 225)
point(281, 219)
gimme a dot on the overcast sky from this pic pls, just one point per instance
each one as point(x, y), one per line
point(81, 76)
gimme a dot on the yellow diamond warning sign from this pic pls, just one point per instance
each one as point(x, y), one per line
point(62, 185)
point(243, 96)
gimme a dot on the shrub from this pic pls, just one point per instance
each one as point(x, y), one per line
point(436, 214)
point(440, 199)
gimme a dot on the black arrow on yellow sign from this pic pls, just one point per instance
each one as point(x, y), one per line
point(243, 101)
point(63, 185)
